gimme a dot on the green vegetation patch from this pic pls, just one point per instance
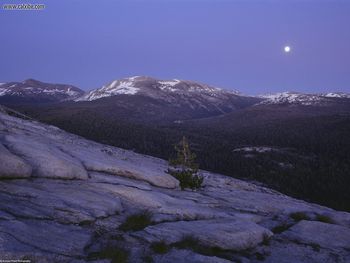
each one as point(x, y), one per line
point(137, 221)
point(160, 247)
point(298, 216)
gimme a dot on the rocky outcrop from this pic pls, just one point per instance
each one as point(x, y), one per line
point(231, 234)
point(136, 168)
point(46, 160)
point(64, 198)
point(319, 233)
point(52, 153)
point(39, 235)
point(185, 256)
point(12, 166)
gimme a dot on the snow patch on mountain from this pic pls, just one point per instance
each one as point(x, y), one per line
point(134, 77)
point(124, 87)
point(3, 92)
point(337, 95)
point(71, 92)
point(169, 85)
point(51, 91)
point(169, 82)
point(261, 149)
point(206, 88)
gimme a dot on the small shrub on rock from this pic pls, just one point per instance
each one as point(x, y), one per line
point(298, 216)
point(187, 179)
point(315, 247)
point(137, 222)
point(192, 243)
point(188, 242)
point(280, 228)
point(160, 247)
point(324, 219)
point(266, 240)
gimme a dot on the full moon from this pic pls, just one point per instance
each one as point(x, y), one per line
point(287, 49)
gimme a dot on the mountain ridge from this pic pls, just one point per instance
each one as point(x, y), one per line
point(307, 99)
point(143, 84)
point(157, 89)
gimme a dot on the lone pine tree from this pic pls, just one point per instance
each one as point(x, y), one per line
point(184, 166)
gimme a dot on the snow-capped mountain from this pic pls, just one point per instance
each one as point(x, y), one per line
point(35, 90)
point(167, 99)
point(301, 98)
point(155, 88)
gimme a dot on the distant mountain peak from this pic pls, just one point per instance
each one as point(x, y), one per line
point(35, 90)
point(166, 100)
point(32, 81)
point(292, 97)
point(152, 87)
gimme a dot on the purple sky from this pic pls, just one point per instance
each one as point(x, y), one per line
point(229, 44)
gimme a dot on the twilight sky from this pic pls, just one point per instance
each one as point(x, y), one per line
point(229, 44)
